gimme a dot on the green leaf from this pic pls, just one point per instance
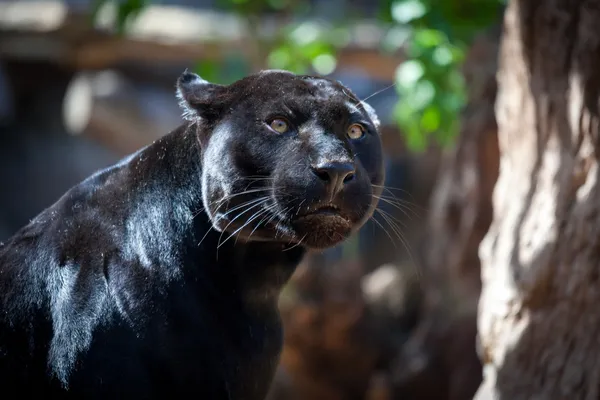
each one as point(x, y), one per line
point(442, 56)
point(430, 119)
point(305, 33)
point(422, 95)
point(324, 64)
point(395, 38)
point(279, 58)
point(208, 70)
point(415, 139)
point(408, 73)
point(315, 49)
point(428, 38)
point(408, 10)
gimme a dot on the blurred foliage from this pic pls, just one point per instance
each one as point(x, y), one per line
point(433, 34)
point(297, 45)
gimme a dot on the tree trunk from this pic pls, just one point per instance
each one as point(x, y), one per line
point(539, 327)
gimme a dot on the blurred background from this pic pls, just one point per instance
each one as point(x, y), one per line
point(391, 314)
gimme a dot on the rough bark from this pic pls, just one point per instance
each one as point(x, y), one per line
point(538, 319)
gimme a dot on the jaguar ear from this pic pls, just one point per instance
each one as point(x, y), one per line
point(198, 98)
point(372, 114)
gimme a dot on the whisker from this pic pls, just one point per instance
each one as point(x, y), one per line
point(407, 205)
point(385, 230)
point(300, 206)
point(264, 212)
point(226, 198)
point(398, 231)
point(401, 207)
point(257, 178)
point(236, 217)
point(404, 202)
point(275, 215)
point(206, 234)
point(220, 201)
point(403, 191)
point(391, 188)
point(254, 180)
point(196, 213)
point(387, 214)
point(393, 226)
point(254, 216)
point(247, 203)
point(267, 210)
point(297, 244)
point(228, 211)
point(379, 91)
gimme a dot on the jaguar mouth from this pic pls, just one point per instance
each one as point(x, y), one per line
point(324, 210)
point(322, 226)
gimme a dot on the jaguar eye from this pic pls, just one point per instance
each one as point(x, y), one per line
point(279, 125)
point(356, 131)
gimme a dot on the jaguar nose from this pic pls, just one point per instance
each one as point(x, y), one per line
point(335, 175)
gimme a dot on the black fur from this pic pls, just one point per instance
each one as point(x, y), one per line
point(152, 279)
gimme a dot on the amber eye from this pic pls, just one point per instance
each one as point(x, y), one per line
point(279, 125)
point(356, 131)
